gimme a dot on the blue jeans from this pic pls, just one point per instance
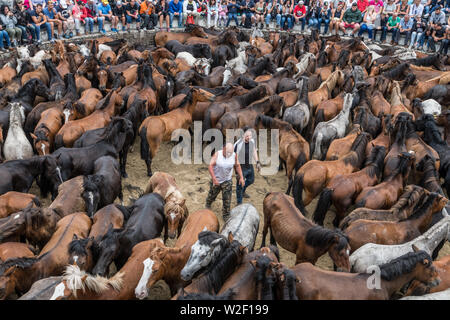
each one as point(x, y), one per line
point(303, 22)
point(326, 22)
point(289, 22)
point(32, 30)
point(180, 19)
point(4, 35)
point(100, 21)
point(278, 17)
point(313, 23)
point(38, 31)
point(89, 24)
point(249, 178)
point(130, 19)
point(444, 46)
point(385, 31)
point(24, 32)
point(234, 17)
point(364, 28)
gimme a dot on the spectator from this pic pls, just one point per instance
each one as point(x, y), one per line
point(314, 12)
point(213, 12)
point(417, 33)
point(132, 14)
point(362, 5)
point(39, 19)
point(406, 24)
point(92, 16)
point(162, 11)
point(51, 14)
point(382, 27)
point(9, 22)
point(300, 14)
point(351, 19)
point(369, 22)
point(378, 5)
point(105, 12)
point(259, 13)
point(437, 34)
point(147, 14)
point(336, 17)
point(232, 12)
point(286, 16)
point(390, 8)
point(222, 9)
point(4, 36)
point(437, 16)
point(22, 16)
point(416, 9)
point(34, 3)
point(248, 9)
point(403, 8)
point(325, 17)
point(392, 26)
point(78, 14)
point(444, 46)
point(273, 11)
point(176, 10)
point(190, 12)
point(119, 12)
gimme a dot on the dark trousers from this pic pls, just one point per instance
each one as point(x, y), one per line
point(150, 20)
point(227, 188)
point(249, 178)
point(234, 17)
point(407, 36)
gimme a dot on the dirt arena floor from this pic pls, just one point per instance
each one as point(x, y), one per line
point(193, 180)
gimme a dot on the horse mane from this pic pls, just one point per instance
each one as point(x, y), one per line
point(252, 94)
point(396, 71)
point(375, 161)
point(343, 58)
point(357, 151)
point(289, 289)
point(320, 237)
point(206, 237)
point(267, 283)
point(270, 122)
point(424, 207)
point(402, 167)
point(40, 135)
point(411, 194)
point(227, 295)
point(107, 100)
point(403, 264)
point(322, 55)
point(186, 100)
point(21, 263)
point(78, 246)
point(173, 202)
point(430, 177)
point(427, 61)
point(409, 80)
point(74, 280)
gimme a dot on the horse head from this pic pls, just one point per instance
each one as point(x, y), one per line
point(106, 249)
point(51, 176)
point(80, 252)
point(91, 192)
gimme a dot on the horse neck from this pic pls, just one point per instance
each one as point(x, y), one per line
point(331, 83)
point(111, 108)
point(191, 106)
point(433, 236)
point(396, 98)
point(390, 287)
point(174, 262)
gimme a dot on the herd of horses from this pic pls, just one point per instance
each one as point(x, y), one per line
point(364, 130)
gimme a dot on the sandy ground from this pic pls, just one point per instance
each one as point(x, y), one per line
point(193, 181)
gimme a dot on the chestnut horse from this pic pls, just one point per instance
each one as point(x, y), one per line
point(342, 146)
point(13, 201)
point(325, 89)
point(162, 37)
point(166, 263)
point(156, 129)
point(83, 106)
point(175, 204)
point(301, 236)
point(11, 250)
point(48, 126)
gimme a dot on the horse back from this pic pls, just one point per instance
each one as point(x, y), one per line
point(195, 223)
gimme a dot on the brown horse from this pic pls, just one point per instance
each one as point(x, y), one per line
point(19, 274)
point(385, 194)
point(397, 103)
point(78, 285)
point(166, 263)
point(362, 231)
point(325, 89)
point(294, 149)
point(340, 147)
point(318, 284)
point(301, 236)
point(412, 197)
point(156, 129)
point(107, 217)
point(175, 208)
point(383, 139)
point(162, 37)
point(379, 104)
point(40, 73)
point(100, 118)
point(342, 190)
point(11, 250)
point(46, 129)
point(328, 109)
point(7, 73)
point(70, 198)
point(83, 106)
point(314, 175)
point(12, 202)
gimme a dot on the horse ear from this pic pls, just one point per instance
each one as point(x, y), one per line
point(75, 237)
point(33, 136)
point(415, 249)
point(230, 237)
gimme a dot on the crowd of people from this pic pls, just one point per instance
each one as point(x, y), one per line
point(422, 22)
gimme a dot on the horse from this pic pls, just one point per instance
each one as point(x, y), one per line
point(397, 101)
point(325, 132)
point(294, 149)
point(301, 236)
point(342, 190)
point(398, 144)
point(198, 50)
point(56, 82)
point(429, 106)
point(83, 106)
point(430, 179)
point(324, 91)
point(146, 222)
point(161, 37)
point(411, 198)
point(383, 139)
point(175, 208)
point(372, 254)
point(166, 263)
point(81, 252)
point(340, 147)
point(12, 202)
point(11, 250)
point(156, 129)
point(362, 231)
point(18, 175)
point(243, 225)
point(318, 284)
point(386, 193)
point(16, 145)
point(109, 217)
point(299, 115)
point(42, 289)
point(47, 127)
point(314, 175)
point(19, 274)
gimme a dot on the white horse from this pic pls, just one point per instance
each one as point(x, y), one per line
point(404, 54)
point(441, 295)
point(243, 225)
point(303, 64)
point(186, 56)
point(299, 114)
point(429, 106)
point(24, 55)
point(372, 254)
point(203, 66)
point(226, 76)
point(238, 64)
point(84, 51)
point(327, 131)
point(16, 144)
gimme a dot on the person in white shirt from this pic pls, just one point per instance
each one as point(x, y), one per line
point(416, 9)
point(189, 9)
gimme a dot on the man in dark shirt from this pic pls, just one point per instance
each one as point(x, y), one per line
point(132, 14)
point(39, 19)
point(245, 149)
point(119, 12)
point(438, 34)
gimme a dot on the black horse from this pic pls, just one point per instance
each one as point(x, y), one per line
point(28, 92)
point(146, 222)
point(57, 85)
point(198, 50)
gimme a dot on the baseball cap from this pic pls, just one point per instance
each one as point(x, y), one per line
point(354, 4)
point(301, 2)
point(118, 3)
point(105, 1)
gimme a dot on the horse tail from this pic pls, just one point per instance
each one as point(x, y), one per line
point(216, 61)
point(323, 205)
point(301, 160)
point(320, 117)
point(59, 142)
point(145, 148)
point(125, 212)
point(317, 145)
point(297, 190)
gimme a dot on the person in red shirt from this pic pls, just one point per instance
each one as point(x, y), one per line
point(300, 14)
point(362, 5)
